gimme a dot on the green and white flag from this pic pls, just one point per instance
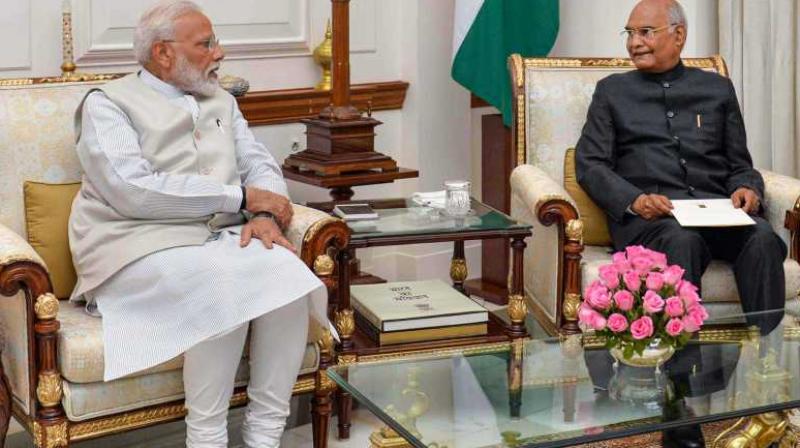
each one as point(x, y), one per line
point(486, 32)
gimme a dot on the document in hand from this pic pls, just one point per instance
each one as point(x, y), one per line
point(709, 213)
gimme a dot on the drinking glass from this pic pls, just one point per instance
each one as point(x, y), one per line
point(457, 202)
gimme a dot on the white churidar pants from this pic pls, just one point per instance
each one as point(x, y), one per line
point(277, 343)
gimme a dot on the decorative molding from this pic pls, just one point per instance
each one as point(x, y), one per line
point(275, 106)
point(101, 41)
point(46, 306)
point(324, 265)
point(49, 390)
point(289, 106)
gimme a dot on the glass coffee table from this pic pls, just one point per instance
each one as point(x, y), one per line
point(561, 392)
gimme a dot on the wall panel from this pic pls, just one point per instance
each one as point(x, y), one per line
point(15, 32)
point(247, 29)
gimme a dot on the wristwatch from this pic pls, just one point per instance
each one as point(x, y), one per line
point(263, 215)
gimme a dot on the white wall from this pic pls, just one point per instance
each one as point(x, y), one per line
point(591, 28)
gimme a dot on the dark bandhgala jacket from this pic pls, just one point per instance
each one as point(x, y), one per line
point(678, 133)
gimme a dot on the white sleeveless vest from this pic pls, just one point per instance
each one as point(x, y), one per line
point(102, 240)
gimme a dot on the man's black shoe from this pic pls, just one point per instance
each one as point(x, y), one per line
point(689, 436)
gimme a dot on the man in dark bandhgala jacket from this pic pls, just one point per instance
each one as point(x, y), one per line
point(666, 131)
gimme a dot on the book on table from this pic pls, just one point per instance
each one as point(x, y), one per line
point(399, 312)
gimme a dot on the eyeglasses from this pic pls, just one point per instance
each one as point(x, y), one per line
point(646, 32)
point(208, 44)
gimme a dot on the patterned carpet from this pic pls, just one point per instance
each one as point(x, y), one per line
point(653, 439)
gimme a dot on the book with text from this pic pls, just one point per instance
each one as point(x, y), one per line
point(401, 306)
point(418, 335)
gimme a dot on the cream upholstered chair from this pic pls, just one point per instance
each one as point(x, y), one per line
point(52, 350)
point(570, 237)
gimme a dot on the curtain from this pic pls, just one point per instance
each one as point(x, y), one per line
point(760, 41)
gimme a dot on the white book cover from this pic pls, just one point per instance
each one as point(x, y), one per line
point(400, 306)
point(709, 213)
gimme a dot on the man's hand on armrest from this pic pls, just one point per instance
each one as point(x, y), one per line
point(651, 206)
point(267, 201)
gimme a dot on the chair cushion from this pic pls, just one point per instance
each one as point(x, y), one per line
point(80, 349)
point(91, 400)
point(595, 226)
point(47, 208)
point(718, 282)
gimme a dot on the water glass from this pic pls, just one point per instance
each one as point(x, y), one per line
point(457, 202)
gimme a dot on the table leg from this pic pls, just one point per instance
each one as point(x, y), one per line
point(517, 308)
point(345, 405)
point(458, 266)
point(515, 378)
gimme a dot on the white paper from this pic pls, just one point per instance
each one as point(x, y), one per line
point(709, 213)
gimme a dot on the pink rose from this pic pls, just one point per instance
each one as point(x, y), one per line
point(688, 293)
point(635, 251)
point(655, 280)
point(674, 327)
point(694, 318)
point(609, 275)
point(632, 280)
point(653, 303)
point(617, 323)
point(595, 285)
point(642, 328)
point(624, 300)
point(599, 299)
point(673, 274)
point(620, 262)
point(642, 264)
point(591, 318)
point(659, 259)
point(674, 307)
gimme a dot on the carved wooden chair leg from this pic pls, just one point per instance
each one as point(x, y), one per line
point(320, 417)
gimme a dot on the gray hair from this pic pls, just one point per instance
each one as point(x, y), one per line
point(677, 15)
point(158, 23)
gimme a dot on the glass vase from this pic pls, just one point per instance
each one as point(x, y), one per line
point(639, 380)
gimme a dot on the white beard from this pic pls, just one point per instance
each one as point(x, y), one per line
point(193, 80)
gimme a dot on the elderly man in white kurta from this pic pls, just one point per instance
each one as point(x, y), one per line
point(175, 187)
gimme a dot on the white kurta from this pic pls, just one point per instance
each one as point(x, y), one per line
point(160, 305)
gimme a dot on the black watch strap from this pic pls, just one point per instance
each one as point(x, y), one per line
point(243, 205)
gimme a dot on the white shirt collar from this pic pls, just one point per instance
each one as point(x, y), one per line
point(157, 84)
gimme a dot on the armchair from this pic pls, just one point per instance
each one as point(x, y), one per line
point(570, 237)
point(52, 350)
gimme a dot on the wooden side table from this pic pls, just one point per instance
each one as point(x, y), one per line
point(399, 224)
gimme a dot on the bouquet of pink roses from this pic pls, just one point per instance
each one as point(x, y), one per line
point(639, 299)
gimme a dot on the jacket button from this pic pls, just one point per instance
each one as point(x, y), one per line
point(683, 161)
point(691, 189)
point(666, 85)
point(676, 138)
point(670, 114)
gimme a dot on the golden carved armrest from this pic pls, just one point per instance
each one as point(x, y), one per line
point(21, 269)
point(317, 237)
point(557, 241)
point(547, 200)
